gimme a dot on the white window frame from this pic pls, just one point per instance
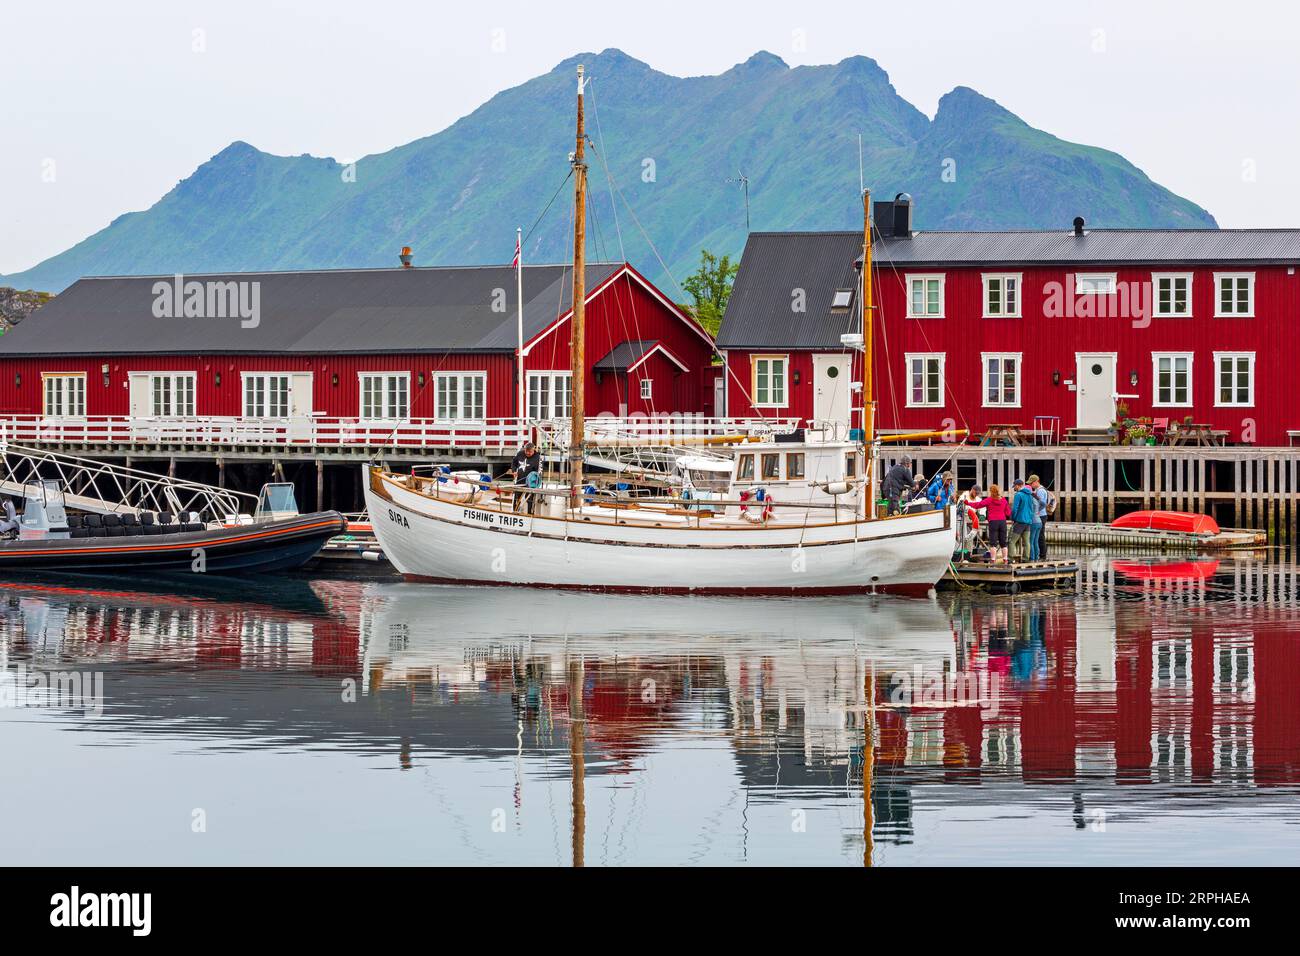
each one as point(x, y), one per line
point(911, 357)
point(1250, 373)
point(173, 379)
point(647, 388)
point(985, 357)
point(390, 409)
point(1003, 277)
point(78, 396)
point(266, 398)
point(785, 380)
point(1104, 283)
point(1173, 277)
point(462, 378)
point(555, 410)
point(1173, 388)
point(1218, 295)
point(911, 279)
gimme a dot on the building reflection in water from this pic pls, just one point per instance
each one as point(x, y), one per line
point(1153, 674)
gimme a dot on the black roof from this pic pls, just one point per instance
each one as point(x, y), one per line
point(784, 290)
point(457, 309)
point(624, 355)
point(777, 267)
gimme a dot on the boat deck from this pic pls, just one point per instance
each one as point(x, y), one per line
point(1011, 578)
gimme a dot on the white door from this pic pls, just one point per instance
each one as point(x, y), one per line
point(831, 392)
point(1094, 385)
point(720, 396)
point(300, 406)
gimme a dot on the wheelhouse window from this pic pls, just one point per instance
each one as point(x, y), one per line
point(771, 467)
point(460, 395)
point(745, 468)
point(647, 388)
point(1002, 379)
point(1234, 294)
point(925, 297)
point(1173, 378)
point(1235, 374)
point(769, 381)
point(925, 380)
point(1094, 283)
point(794, 465)
point(550, 395)
point(1173, 294)
point(1002, 296)
point(266, 395)
point(386, 395)
point(172, 395)
point(65, 396)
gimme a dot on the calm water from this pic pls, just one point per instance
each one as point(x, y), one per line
point(1151, 717)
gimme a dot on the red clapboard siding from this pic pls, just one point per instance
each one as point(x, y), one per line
point(622, 310)
point(1049, 344)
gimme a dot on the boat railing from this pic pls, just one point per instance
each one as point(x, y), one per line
point(665, 430)
point(103, 488)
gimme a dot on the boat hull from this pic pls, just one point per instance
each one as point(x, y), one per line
point(249, 549)
point(453, 542)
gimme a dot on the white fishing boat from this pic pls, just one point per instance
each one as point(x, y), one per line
point(799, 517)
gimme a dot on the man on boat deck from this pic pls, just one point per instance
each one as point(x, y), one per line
point(527, 461)
point(9, 523)
point(941, 490)
point(897, 480)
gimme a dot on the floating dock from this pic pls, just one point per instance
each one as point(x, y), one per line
point(1152, 539)
point(1010, 578)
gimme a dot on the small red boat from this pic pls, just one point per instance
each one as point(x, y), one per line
point(1184, 522)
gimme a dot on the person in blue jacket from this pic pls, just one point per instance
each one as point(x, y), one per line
point(1024, 515)
point(941, 490)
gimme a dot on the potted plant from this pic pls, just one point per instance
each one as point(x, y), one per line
point(1138, 434)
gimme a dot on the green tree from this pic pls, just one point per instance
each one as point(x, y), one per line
point(710, 287)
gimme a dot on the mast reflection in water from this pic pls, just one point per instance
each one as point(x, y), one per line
point(1153, 717)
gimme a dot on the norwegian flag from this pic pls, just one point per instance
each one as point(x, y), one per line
point(515, 263)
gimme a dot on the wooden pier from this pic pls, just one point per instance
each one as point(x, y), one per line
point(1241, 487)
point(1011, 578)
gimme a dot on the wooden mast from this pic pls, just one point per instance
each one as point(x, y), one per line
point(868, 384)
point(577, 324)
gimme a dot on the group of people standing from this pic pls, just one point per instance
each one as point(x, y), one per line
point(1015, 522)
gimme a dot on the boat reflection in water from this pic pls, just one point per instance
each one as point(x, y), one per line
point(573, 728)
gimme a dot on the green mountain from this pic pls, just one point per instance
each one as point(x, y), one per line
point(669, 146)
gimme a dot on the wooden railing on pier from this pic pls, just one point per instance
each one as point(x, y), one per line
point(1242, 486)
point(494, 435)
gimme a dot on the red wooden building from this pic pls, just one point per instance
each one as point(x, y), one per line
point(364, 348)
point(981, 328)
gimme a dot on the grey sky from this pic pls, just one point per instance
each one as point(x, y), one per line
point(116, 96)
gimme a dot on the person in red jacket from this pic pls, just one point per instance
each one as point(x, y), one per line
point(998, 511)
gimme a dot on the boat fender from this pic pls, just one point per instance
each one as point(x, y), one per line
point(837, 488)
point(589, 493)
point(534, 480)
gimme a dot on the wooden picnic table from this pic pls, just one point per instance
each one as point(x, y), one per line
point(1009, 434)
point(1197, 433)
